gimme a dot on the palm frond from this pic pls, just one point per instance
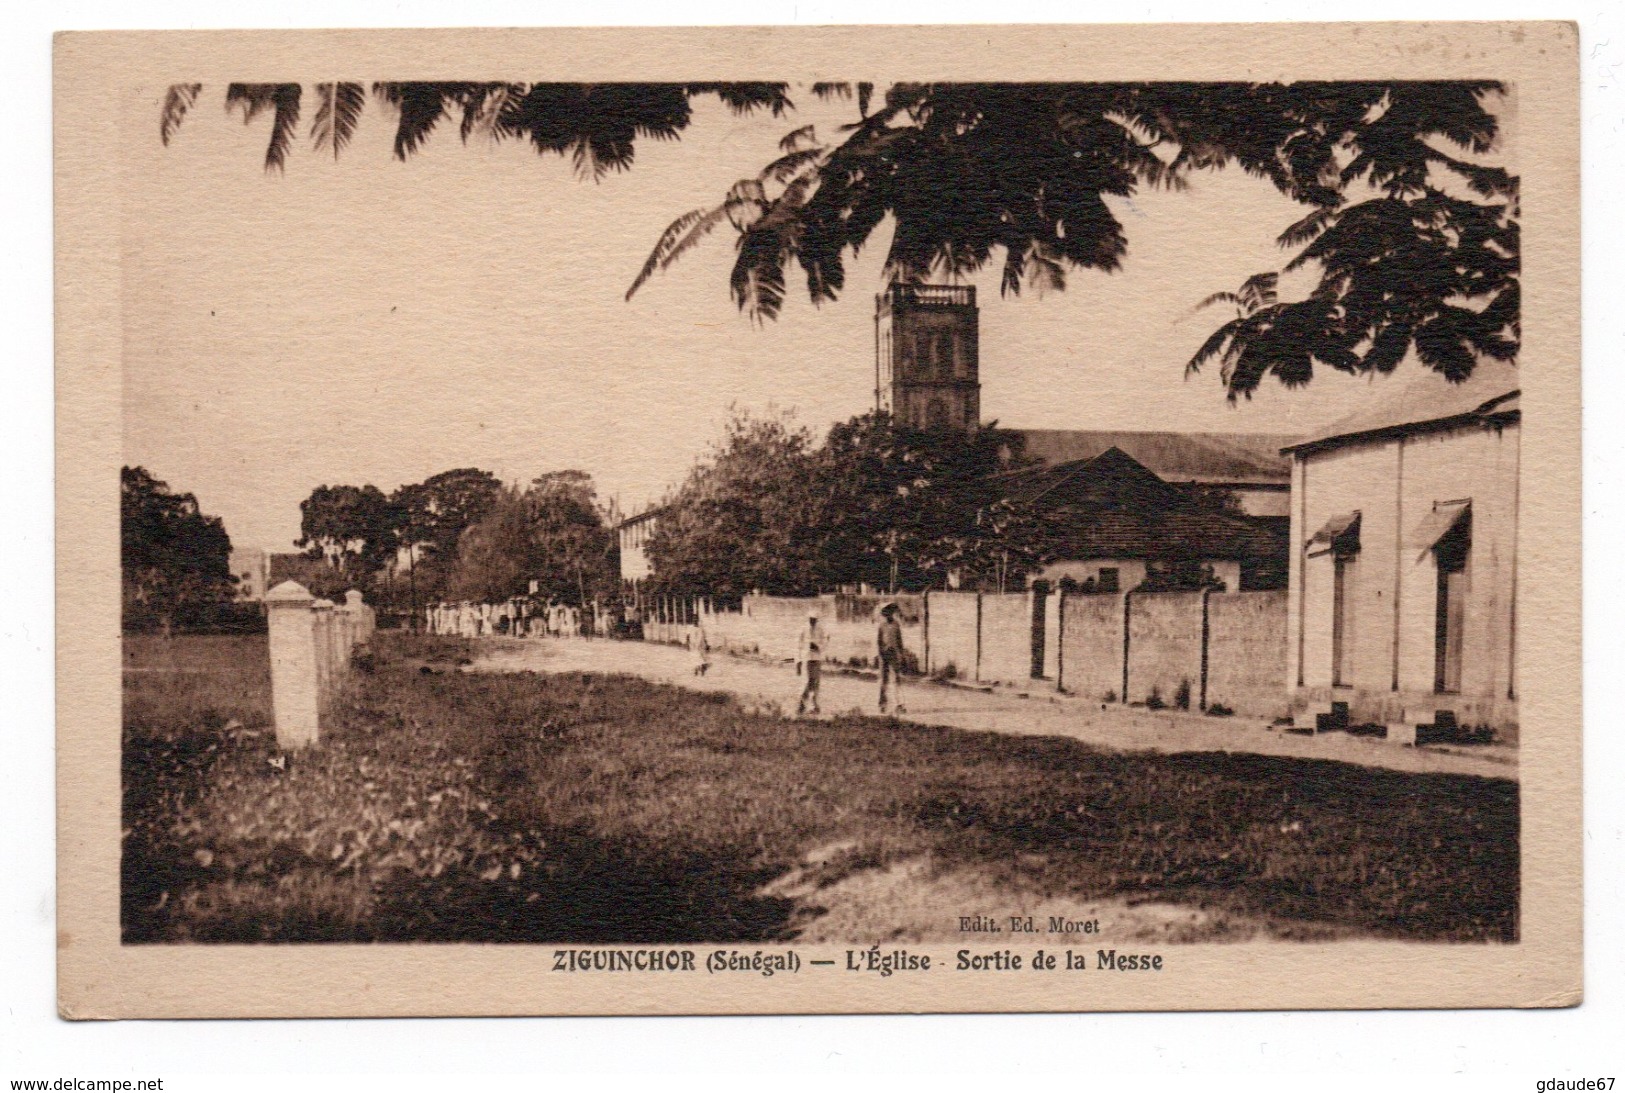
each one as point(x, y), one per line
point(337, 114)
point(666, 243)
point(1210, 348)
point(789, 166)
point(792, 140)
point(483, 108)
point(280, 98)
point(1223, 296)
point(420, 107)
point(1307, 229)
point(177, 101)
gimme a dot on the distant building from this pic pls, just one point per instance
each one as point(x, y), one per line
point(1404, 554)
point(297, 566)
point(252, 568)
point(1247, 466)
point(926, 356)
point(632, 534)
point(1112, 519)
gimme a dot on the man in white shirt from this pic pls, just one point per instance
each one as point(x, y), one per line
point(810, 662)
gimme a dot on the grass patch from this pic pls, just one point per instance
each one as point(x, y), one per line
point(445, 806)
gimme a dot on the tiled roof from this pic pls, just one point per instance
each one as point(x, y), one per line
point(1110, 476)
point(1207, 458)
point(1138, 534)
point(1111, 506)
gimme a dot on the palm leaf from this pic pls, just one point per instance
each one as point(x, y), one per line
point(483, 108)
point(1307, 229)
point(338, 112)
point(1210, 348)
point(177, 101)
point(788, 166)
point(420, 107)
point(792, 140)
point(682, 234)
point(280, 98)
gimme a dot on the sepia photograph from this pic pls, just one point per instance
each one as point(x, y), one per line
point(886, 532)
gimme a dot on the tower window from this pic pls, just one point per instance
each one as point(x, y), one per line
point(936, 414)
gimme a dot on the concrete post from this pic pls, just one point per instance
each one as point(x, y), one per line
point(295, 697)
point(322, 625)
point(366, 619)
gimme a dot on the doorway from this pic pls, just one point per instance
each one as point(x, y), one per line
point(1450, 617)
point(1343, 619)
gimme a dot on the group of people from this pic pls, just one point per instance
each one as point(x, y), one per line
point(520, 617)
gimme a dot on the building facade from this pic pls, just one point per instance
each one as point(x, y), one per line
point(632, 535)
point(252, 568)
point(1402, 596)
point(927, 371)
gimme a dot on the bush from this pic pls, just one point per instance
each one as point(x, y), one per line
point(1182, 696)
point(1153, 701)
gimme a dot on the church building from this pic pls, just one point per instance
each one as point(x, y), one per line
point(926, 368)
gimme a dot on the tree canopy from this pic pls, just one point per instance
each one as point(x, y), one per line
point(1411, 232)
point(552, 533)
point(877, 503)
point(353, 527)
point(174, 558)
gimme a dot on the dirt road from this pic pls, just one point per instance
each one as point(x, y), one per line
point(775, 687)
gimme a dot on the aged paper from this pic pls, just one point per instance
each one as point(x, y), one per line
point(1176, 702)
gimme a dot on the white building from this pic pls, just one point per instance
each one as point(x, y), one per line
point(1404, 561)
point(633, 534)
point(252, 568)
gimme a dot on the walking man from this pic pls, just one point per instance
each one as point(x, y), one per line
point(810, 662)
point(889, 645)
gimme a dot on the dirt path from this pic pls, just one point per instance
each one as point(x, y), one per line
point(775, 687)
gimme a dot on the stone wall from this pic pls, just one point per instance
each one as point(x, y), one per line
point(1092, 646)
point(1165, 646)
point(1246, 652)
point(1007, 638)
point(953, 632)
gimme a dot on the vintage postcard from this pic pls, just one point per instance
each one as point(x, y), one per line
point(818, 520)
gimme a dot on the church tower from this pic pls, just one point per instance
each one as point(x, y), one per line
point(926, 356)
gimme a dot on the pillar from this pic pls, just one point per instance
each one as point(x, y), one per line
point(294, 692)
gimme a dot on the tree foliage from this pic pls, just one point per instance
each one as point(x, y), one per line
point(173, 557)
point(352, 527)
point(551, 532)
point(876, 503)
point(1411, 232)
point(741, 521)
point(595, 125)
point(1414, 237)
point(431, 517)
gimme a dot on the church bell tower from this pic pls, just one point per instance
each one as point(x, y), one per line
point(926, 368)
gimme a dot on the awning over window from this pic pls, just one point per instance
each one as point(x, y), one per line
point(1437, 524)
point(1339, 535)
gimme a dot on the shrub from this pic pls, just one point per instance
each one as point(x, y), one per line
point(1182, 696)
point(1153, 701)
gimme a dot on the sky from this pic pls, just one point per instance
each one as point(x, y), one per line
point(366, 320)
